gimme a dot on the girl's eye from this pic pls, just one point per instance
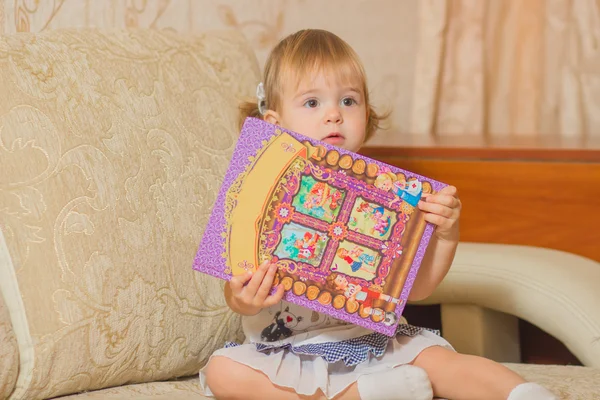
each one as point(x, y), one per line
point(348, 101)
point(312, 103)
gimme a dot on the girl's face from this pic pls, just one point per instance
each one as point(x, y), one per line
point(324, 109)
point(384, 184)
point(341, 282)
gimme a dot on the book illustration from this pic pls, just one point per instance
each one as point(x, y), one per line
point(299, 243)
point(318, 199)
point(371, 219)
point(343, 229)
point(356, 260)
point(362, 298)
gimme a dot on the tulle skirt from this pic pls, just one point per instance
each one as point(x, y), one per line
point(330, 366)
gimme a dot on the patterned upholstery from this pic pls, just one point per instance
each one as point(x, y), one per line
point(111, 147)
point(569, 383)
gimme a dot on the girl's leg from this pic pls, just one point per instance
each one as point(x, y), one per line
point(464, 377)
point(229, 380)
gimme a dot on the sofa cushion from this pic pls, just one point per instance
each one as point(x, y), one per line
point(9, 352)
point(569, 383)
point(184, 389)
point(112, 148)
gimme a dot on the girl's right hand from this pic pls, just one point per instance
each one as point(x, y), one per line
point(251, 298)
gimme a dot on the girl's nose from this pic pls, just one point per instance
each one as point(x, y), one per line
point(333, 115)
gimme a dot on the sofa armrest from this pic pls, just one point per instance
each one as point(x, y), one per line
point(9, 350)
point(557, 291)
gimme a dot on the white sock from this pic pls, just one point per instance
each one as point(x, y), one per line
point(405, 382)
point(531, 391)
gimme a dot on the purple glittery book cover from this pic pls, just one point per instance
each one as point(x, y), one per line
point(344, 229)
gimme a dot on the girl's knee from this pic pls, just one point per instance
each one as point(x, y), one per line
point(434, 355)
point(218, 374)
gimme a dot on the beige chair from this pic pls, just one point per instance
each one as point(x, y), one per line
point(112, 148)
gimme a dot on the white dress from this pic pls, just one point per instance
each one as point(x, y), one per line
point(303, 350)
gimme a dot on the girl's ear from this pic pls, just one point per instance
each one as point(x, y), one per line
point(272, 117)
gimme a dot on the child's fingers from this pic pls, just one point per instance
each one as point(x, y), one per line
point(257, 279)
point(237, 282)
point(436, 219)
point(275, 297)
point(437, 209)
point(267, 284)
point(444, 199)
point(449, 190)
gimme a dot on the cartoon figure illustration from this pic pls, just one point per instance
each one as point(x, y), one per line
point(364, 207)
point(322, 199)
point(307, 245)
point(382, 221)
point(300, 243)
point(409, 191)
point(356, 258)
point(335, 199)
point(385, 180)
point(282, 326)
point(353, 222)
point(318, 199)
point(338, 282)
point(314, 198)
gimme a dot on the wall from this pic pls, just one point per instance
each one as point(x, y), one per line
point(386, 23)
point(445, 67)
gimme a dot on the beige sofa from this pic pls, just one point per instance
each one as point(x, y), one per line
point(112, 148)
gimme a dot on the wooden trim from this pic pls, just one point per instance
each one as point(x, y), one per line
point(583, 156)
point(544, 192)
point(475, 148)
point(553, 205)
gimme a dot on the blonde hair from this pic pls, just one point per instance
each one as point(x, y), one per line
point(385, 177)
point(305, 52)
point(342, 250)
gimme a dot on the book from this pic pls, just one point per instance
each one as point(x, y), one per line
point(344, 229)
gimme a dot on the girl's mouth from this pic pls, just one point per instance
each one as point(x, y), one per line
point(334, 138)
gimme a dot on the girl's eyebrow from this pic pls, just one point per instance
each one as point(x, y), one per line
point(314, 90)
point(352, 89)
point(305, 92)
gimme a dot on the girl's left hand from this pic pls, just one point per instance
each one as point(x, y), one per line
point(443, 210)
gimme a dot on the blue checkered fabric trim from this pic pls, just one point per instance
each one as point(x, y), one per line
point(351, 352)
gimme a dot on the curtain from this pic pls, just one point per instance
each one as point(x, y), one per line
point(484, 68)
point(508, 67)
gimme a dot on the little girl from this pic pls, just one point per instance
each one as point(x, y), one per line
point(314, 84)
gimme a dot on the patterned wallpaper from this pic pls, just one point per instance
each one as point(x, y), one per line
point(444, 67)
point(389, 23)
